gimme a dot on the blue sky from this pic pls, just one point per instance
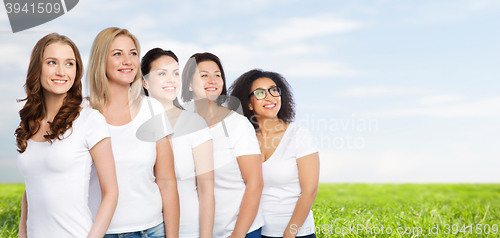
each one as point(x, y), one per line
point(394, 91)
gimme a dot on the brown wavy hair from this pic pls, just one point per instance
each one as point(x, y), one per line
point(34, 110)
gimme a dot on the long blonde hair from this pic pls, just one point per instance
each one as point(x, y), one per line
point(96, 74)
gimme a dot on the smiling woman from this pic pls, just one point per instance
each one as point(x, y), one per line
point(290, 167)
point(238, 172)
point(58, 69)
point(191, 143)
point(148, 200)
point(59, 139)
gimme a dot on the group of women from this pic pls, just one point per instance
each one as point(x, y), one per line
point(122, 163)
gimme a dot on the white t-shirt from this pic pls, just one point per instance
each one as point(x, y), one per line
point(190, 130)
point(57, 179)
point(281, 182)
point(139, 202)
point(232, 137)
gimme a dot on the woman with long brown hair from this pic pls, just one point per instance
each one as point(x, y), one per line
point(148, 203)
point(58, 140)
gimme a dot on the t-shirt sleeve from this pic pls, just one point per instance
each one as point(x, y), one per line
point(202, 133)
point(246, 141)
point(306, 144)
point(96, 129)
point(162, 124)
point(199, 137)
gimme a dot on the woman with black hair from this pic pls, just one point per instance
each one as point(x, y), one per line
point(290, 160)
point(238, 171)
point(191, 144)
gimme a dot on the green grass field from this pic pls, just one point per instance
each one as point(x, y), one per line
point(10, 209)
point(369, 210)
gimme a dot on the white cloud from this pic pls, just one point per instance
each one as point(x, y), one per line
point(377, 91)
point(322, 107)
point(315, 68)
point(183, 50)
point(300, 28)
point(9, 162)
point(450, 11)
point(99, 8)
point(238, 58)
point(16, 54)
point(479, 108)
point(4, 19)
point(142, 21)
point(9, 172)
point(9, 108)
point(439, 99)
point(295, 50)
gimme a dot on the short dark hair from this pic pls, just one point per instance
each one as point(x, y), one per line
point(190, 69)
point(149, 58)
point(242, 86)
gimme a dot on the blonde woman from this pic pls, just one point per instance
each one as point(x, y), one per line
point(148, 203)
point(58, 140)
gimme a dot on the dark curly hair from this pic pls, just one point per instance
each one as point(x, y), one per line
point(34, 109)
point(190, 69)
point(242, 86)
point(149, 58)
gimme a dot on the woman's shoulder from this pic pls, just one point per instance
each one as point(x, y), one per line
point(298, 130)
point(90, 114)
point(235, 117)
point(153, 103)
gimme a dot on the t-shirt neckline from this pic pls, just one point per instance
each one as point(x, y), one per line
point(226, 119)
point(279, 145)
point(133, 119)
point(43, 142)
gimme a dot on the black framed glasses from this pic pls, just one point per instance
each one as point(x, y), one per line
point(261, 93)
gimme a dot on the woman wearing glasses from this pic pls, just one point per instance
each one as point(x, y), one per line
point(290, 160)
point(238, 171)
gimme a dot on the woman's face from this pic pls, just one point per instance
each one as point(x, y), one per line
point(58, 69)
point(163, 81)
point(268, 107)
point(207, 81)
point(123, 61)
